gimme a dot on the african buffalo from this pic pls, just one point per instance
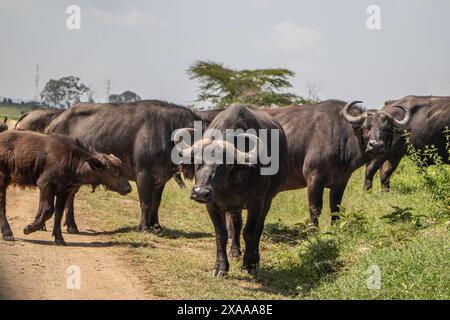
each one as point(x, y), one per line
point(37, 120)
point(329, 140)
point(233, 186)
point(55, 164)
point(430, 118)
point(139, 133)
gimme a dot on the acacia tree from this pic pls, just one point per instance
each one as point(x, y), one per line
point(222, 86)
point(64, 92)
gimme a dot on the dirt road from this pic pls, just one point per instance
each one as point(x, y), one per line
point(33, 267)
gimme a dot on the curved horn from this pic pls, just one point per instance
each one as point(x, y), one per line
point(116, 162)
point(189, 150)
point(349, 117)
point(252, 154)
point(239, 155)
point(406, 118)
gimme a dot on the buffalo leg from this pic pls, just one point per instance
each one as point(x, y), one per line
point(372, 168)
point(315, 199)
point(386, 172)
point(150, 199)
point(4, 225)
point(45, 210)
point(219, 221)
point(252, 235)
point(72, 227)
point(61, 200)
point(156, 202)
point(234, 226)
point(336, 194)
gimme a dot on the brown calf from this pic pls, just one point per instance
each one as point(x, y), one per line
point(55, 164)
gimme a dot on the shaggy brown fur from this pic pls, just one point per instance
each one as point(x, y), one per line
point(55, 164)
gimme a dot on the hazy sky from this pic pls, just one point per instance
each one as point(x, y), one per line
point(146, 46)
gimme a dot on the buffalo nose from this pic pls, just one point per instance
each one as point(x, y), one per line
point(375, 146)
point(201, 194)
point(127, 190)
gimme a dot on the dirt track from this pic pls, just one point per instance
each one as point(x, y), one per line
point(33, 267)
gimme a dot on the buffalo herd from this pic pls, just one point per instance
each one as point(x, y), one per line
point(314, 146)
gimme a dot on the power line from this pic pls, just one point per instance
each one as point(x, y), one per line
point(36, 84)
point(108, 89)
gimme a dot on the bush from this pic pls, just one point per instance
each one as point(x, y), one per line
point(436, 178)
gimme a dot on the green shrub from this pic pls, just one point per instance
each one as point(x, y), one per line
point(435, 178)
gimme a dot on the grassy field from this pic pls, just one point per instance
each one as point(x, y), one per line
point(403, 234)
point(14, 112)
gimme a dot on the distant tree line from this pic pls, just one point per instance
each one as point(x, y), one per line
point(67, 91)
point(219, 86)
point(125, 97)
point(32, 104)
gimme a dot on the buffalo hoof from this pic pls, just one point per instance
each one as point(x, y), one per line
point(252, 269)
point(235, 253)
point(44, 228)
point(28, 229)
point(219, 273)
point(73, 230)
point(60, 242)
point(143, 228)
point(8, 237)
point(155, 229)
point(334, 219)
point(384, 189)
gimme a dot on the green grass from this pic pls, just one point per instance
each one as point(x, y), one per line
point(14, 111)
point(405, 233)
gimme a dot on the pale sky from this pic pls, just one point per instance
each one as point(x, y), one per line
point(146, 46)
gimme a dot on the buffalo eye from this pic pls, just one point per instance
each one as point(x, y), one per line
point(115, 172)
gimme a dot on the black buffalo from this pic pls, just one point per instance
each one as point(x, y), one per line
point(236, 186)
point(37, 120)
point(139, 134)
point(329, 140)
point(430, 119)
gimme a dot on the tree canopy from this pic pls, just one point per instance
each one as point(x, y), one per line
point(125, 97)
point(222, 86)
point(64, 92)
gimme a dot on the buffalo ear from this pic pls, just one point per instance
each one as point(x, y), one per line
point(96, 164)
point(6, 120)
point(188, 170)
